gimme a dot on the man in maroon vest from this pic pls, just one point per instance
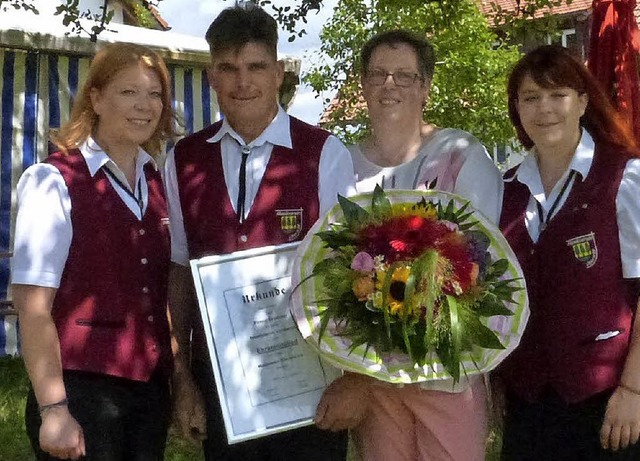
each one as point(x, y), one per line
point(228, 188)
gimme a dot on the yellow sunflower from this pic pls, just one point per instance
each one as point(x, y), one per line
point(396, 289)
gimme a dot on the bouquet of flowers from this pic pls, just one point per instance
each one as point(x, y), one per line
point(409, 289)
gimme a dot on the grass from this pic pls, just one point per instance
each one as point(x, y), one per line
point(13, 395)
point(14, 445)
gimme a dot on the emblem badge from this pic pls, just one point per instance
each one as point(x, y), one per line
point(585, 249)
point(290, 222)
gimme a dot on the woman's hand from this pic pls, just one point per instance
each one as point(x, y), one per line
point(344, 403)
point(61, 435)
point(621, 426)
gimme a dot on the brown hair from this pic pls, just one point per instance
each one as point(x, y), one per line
point(552, 66)
point(110, 60)
point(421, 46)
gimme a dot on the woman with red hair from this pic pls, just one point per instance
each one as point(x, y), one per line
point(90, 269)
point(571, 214)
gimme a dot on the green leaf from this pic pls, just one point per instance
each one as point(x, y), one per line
point(456, 337)
point(354, 214)
point(484, 337)
point(337, 239)
point(324, 266)
point(499, 267)
point(325, 317)
point(380, 204)
point(405, 337)
point(489, 309)
point(449, 211)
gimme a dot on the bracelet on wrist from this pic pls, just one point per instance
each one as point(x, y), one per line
point(629, 389)
point(61, 403)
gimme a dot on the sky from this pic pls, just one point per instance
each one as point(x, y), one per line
point(202, 12)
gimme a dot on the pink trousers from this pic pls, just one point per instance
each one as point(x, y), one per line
point(411, 424)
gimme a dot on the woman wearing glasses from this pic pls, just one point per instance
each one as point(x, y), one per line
point(435, 421)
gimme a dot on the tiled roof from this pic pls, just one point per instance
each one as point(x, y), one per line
point(351, 109)
point(156, 14)
point(161, 23)
point(510, 5)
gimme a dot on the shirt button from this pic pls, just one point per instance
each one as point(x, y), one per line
point(150, 318)
point(145, 290)
point(243, 238)
point(144, 260)
point(142, 232)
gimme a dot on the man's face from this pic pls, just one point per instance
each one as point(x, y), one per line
point(247, 82)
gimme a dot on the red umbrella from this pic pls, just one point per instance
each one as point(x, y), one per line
point(613, 53)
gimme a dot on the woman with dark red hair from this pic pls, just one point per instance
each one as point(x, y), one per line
point(572, 215)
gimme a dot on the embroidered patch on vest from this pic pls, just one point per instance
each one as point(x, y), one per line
point(585, 249)
point(290, 222)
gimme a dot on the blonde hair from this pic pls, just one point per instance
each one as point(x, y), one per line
point(110, 60)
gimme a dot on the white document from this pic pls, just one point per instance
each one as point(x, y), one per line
point(268, 379)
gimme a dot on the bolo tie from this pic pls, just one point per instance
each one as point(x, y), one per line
point(242, 183)
point(137, 199)
point(543, 223)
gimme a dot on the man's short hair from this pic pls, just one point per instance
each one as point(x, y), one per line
point(242, 24)
point(421, 46)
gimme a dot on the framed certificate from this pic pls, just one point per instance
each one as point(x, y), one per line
point(269, 380)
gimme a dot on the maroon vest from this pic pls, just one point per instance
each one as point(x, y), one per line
point(110, 308)
point(576, 290)
point(286, 205)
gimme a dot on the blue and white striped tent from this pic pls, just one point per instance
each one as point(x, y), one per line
point(37, 86)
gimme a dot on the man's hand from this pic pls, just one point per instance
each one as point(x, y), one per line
point(61, 435)
point(189, 413)
point(344, 403)
point(621, 426)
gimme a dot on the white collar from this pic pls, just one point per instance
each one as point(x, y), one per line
point(580, 162)
point(277, 133)
point(96, 158)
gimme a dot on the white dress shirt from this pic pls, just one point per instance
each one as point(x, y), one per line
point(335, 173)
point(627, 199)
point(43, 225)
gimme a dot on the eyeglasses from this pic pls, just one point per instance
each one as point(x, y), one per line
point(401, 78)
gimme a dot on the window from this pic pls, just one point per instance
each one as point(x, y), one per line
point(569, 39)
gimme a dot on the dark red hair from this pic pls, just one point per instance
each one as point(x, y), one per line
point(552, 66)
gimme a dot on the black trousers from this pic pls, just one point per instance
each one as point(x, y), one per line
point(122, 420)
point(308, 443)
point(552, 430)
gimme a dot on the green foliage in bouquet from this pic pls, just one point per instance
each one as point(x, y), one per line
point(415, 278)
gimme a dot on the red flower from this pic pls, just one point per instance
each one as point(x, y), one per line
point(400, 238)
point(455, 248)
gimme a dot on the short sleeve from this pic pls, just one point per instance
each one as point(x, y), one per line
point(480, 181)
point(628, 213)
point(336, 174)
point(179, 247)
point(43, 227)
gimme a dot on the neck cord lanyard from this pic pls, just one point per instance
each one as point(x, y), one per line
point(242, 182)
point(541, 220)
point(138, 199)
